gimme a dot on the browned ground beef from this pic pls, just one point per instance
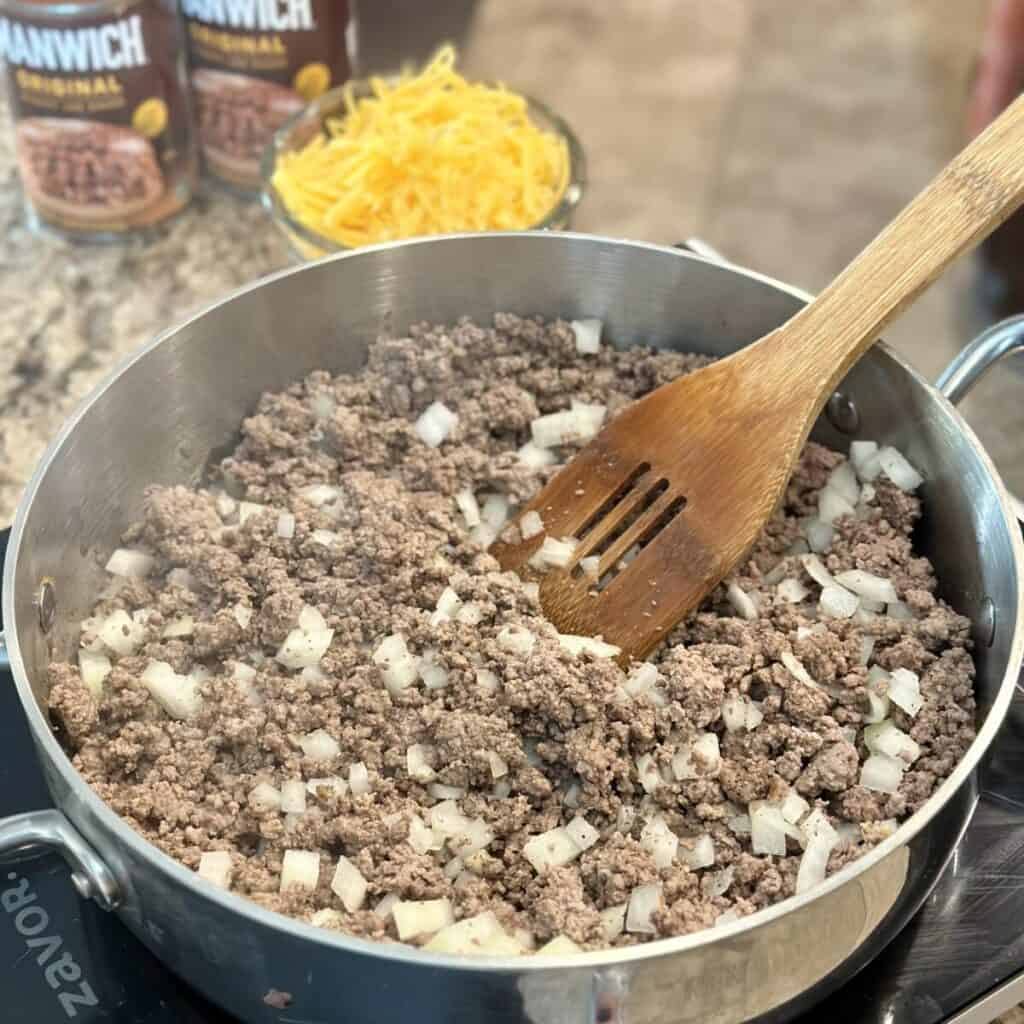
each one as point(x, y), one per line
point(398, 541)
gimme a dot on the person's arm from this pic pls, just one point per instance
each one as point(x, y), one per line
point(1000, 72)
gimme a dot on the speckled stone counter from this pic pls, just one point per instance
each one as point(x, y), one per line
point(70, 313)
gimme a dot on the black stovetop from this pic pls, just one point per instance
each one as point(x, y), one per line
point(966, 940)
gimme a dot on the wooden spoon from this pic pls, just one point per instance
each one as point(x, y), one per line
point(692, 471)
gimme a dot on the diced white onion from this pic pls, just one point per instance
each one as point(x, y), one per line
point(242, 614)
point(480, 935)
point(264, 797)
point(887, 738)
point(843, 480)
point(94, 668)
point(300, 869)
point(647, 770)
point(819, 535)
point(560, 945)
point(226, 506)
point(130, 562)
point(308, 643)
point(740, 824)
point(432, 672)
point(319, 494)
point(471, 614)
point(560, 428)
point(496, 511)
point(398, 668)
point(325, 538)
point(768, 829)
point(531, 524)
point(641, 679)
point(487, 681)
point(867, 648)
point(248, 509)
point(882, 773)
point(358, 778)
point(741, 602)
point(473, 838)
point(717, 883)
point(467, 503)
point(534, 457)
point(701, 854)
point(447, 605)
point(293, 796)
point(796, 668)
point(421, 917)
point(417, 764)
point(178, 695)
point(122, 633)
point(497, 764)
point(660, 842)
point(447, 819)
point(319, 745)
point(861, 452)
point(587, 644)
point(435, 423)
point(553, 848)
point(794, 807)
point(815, 568)
point(349, 885)
point(866, 584)
point(698, 760)
point(878, 708)
point(905, 690)
point(422, 838)
point(182, 578)
point(643, 902)
point(613, 921)
point(516, 640)
point(582, 833)
point(386, 906)
point(588, 336)
point(832, 506)
point(899, 610)
point(792, 591)
point(322, 405)
point(817, 826)
point(591, 566)
point(185, 626)
point(553, 553)
point(589, 418)
point(813, 864)
point(215, 866)
point(898, 469)
point(837, 602)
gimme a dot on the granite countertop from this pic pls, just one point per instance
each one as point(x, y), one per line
point(71, 312)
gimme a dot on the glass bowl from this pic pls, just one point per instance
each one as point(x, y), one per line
point(298, 130)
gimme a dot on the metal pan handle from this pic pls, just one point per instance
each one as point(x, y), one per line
point(973, 362)
point(36, 833)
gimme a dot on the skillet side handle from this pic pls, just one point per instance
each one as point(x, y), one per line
point(35, 833)
point(973, 362)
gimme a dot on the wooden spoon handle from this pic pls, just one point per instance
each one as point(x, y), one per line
point(968, 200)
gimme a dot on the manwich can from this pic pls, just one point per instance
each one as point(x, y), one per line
point(99, 97)
point(255, 63)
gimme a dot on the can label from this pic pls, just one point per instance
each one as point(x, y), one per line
point(101, 112)
point(255, 63)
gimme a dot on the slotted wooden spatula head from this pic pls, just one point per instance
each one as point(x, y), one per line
point(669, 496)
point(685, 479)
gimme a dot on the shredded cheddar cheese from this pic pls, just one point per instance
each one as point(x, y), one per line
point(427, 154)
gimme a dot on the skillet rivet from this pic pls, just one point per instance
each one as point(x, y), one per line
point(842, 413)
point(46, 604)
point(987, 622)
